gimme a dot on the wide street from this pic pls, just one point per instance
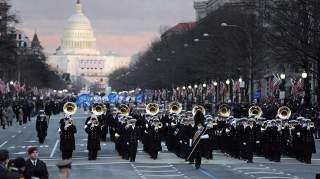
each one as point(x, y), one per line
point(18, 138)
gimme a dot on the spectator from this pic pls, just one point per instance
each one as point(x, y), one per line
point(34, 166)
point(64, 169)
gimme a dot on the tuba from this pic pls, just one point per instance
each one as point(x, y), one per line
point(124, 109)
point(98, 109)
point(152, 109)
point(197, 108)
point(255, 111)
point(224, 110)
point(70, 108)
point(175, 107)
point(284, 112)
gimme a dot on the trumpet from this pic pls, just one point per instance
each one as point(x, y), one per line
point(70, 108)
point(224, 110)
point(68, 122)
point(152, 109)
point(94, 123)
point(197, 108)
point(255, 111)
point(175, 107)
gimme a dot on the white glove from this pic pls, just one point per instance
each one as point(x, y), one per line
point(89, 122)
point(204, 136)
point(190, 142)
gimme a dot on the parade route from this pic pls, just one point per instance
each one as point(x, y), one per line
point(18, 138)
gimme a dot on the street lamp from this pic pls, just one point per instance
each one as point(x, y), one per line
point(224, 24)
point(215, 83)
point(304, 75)
point(228, 82)
point(282, 76)
point(178, 88)
point(190, 87)
point(240, 79)
point(195, 86)
point(204, 85)
point(158, 59)
point(205, 35)
point(196, 40)
point(184, 87)
point(185, 45)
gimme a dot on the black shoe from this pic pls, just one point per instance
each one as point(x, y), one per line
point(249, 161)
point(197, 166)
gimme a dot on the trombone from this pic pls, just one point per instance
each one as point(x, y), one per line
point(284, 112)
point(175, 108)
point(70, 108)
point(199, 108)
point(152, 109)
point(224, 110)
point(255, 111)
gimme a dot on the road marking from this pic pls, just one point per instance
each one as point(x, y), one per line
point(155, 171)
point(163, 175)
point(208, 174)
point(140, 166)
point(30, 141)
point(262, 172)
point(20, 153)
point(4, 143)
point(277, 177)
point(20, 132)
point(13, 136)
point(91, 163)
point(54, 148)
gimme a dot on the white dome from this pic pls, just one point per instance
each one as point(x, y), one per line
point(78, 37)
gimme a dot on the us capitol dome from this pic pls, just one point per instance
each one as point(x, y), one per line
point(77, 55)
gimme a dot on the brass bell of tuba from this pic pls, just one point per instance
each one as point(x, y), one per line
point(152, 109)
point(197, 108)
point(98, 109)
point(255, 111)
point(70, 108)
point(175, 107)
point(284, 112)
point(224, 110)
point(124, 109)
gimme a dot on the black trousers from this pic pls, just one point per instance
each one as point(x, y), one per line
point(133, 151)
point(92, 155)
point(197, 158)
point(66, 154)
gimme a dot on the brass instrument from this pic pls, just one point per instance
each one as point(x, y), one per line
point(68, 122)
point(152, 109)
point(94, 123)
point(284, 112)
point(70, 108)
point(157, 125)
point(224, 110)
point(124, 109)
point(255, 111)
point(197, 108)
point(175, 107)
point(98, 109)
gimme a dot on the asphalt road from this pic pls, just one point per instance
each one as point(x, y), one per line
point(109, 165)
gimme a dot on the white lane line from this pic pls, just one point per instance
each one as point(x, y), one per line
point(260, 172)
point(163, 175)
point(20, 132)
point(93, 163)
point(155, 171)
point(167, 166)
point(4, 143)
point(13, 136)
point(277, 177)
point(54, 148)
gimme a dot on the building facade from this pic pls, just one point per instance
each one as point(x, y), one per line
point(78, 57)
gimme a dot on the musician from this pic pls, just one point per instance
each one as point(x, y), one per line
point(154, 145)
point(307, 134)
point(249, 140)
point(133, 133)
point(198, 137)
point(93, 130)
point(41, 126)
point(67, 141)
point(104, 126)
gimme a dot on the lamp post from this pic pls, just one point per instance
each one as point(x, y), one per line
point(306, 88)
point(215, 84)
point(250, 55)
point(282, 88)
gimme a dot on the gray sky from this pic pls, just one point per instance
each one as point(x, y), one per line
point(121, 26)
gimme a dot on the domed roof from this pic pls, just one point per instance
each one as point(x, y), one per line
point(78, 37)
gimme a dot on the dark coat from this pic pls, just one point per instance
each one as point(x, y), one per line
point(249, 139)
point(41, 126)
point(40, 170)
point(67, 141)
point(93, 132)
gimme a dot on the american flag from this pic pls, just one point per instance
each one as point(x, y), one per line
point(236, 86)
point(296, 86)
point(275, 83)
point(222, 88)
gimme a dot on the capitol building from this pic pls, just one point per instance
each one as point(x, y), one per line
point(78, 57)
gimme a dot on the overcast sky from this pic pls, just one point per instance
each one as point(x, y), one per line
point(122, 26)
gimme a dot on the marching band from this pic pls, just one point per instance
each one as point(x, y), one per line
point(191, 135)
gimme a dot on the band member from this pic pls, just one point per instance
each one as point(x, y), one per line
point(35, 168)
point(104, 126)
point(308, 141)
point(93, 129)
point(249, 140)
point(41, 126)
point(133, 136)
point(198, 137)
point(67, 142)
